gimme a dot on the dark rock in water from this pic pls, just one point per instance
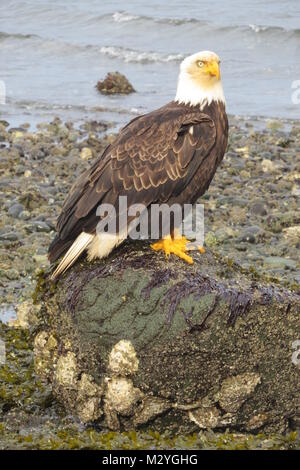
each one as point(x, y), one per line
point(135, 340)
point(115, 83)
point(94, 126)
point(16, 129)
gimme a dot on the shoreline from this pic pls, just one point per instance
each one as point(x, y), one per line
point(37, 169)
point(251, 218)
point(116, 115)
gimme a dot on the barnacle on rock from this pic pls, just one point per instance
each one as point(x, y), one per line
point(123, 359)
point(89, 396)
point(66, 371)
point(45, 353)
point(235, 390)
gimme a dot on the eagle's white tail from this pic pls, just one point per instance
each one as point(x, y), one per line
point(97, 246)
point(76, 249)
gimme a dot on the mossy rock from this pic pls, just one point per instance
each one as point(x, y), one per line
point(138, 341)
point(115, 83)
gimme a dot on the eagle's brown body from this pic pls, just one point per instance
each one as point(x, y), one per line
point(169, 155)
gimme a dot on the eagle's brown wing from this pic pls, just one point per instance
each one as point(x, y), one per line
point(153, 159)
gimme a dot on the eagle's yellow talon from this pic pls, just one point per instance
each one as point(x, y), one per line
point(201, 249)
point(176, 246)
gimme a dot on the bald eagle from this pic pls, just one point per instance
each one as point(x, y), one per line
point(169, 155)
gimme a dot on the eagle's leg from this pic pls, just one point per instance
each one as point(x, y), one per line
point(177, 245)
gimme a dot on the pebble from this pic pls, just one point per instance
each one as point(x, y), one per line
point(15, 210)
point(292, 233)
point(224, 234)
point(86, 153)
point(42, 260)
point(38, 226)
point(24, 215)
point(10, 236)
point(248, 237)
point(278, 262)
point(259, 209)
point(16, 135)
point(12, 274)
point(233, 200)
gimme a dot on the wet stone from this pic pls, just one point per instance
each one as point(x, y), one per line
point(259, 209)
point(15, 210)
point(279, 262)
point(38, 226)
point(115, 83)
point(10, 236)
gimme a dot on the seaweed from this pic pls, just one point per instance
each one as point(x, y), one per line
point(158, 278)
point(200, 285)
point(239, 305)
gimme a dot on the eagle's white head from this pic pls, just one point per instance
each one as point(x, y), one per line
point(199, 81)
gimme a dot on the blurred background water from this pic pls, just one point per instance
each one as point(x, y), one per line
point(52, 53)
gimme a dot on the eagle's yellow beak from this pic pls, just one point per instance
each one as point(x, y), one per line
point(213, 69)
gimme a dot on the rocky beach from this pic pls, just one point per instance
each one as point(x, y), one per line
point(252, 213)
point(252, 218)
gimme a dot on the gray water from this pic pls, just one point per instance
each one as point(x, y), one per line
point(52, 53)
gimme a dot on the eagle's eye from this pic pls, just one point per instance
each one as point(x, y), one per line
point(200, 63)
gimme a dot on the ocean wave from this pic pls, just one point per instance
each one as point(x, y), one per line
point(274, 32)
point(123, 16)
point(126, 17)
point(53, 46)
point(258, 29)
point(50, 45)
point(131, 55)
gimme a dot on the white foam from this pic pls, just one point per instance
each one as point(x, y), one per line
point(121, 17)
point(130, 55)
